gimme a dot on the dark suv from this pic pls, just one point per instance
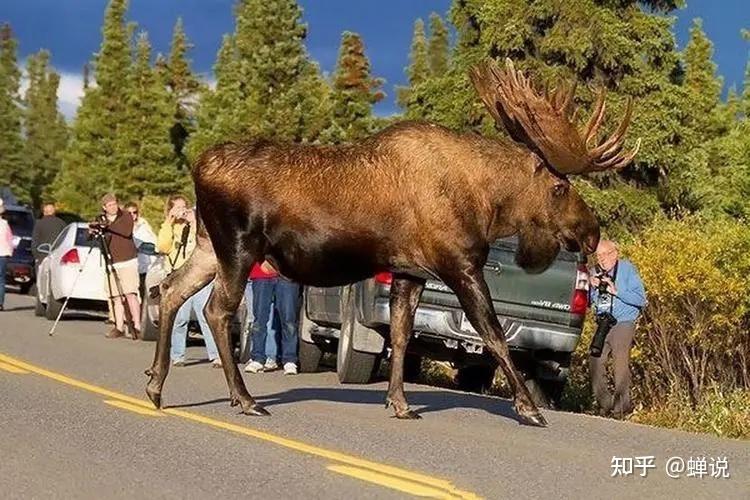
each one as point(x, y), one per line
point(542, 316)
point(20, 270)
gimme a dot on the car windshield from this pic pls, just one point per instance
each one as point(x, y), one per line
point(82, 238)
point(21, 222)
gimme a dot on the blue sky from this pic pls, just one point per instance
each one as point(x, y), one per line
point(71, 30)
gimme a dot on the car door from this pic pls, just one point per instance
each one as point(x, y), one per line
point(61, 244)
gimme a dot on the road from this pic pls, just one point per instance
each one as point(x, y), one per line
point(75, 423)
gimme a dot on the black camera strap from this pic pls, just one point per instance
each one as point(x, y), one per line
point(614, 281)
point(181, 246)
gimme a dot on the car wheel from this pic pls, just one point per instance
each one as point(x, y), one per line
point(53, 306)
point(352, 367)
point(149, 328)
point(310, 353)
point(39, 307)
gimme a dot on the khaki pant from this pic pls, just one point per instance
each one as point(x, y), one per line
point(618, 343)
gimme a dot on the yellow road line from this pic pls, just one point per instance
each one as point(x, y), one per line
point(134, 408)
point(445, 487)
point(416, 489)
point(12, 369)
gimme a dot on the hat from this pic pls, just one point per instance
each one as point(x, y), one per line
point(108, 197)
point(2, 206)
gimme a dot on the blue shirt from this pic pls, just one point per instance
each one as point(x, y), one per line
point(630, 298)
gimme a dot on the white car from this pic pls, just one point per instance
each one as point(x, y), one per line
point(72, 255)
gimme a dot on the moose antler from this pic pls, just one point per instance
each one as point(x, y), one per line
point(545, 123)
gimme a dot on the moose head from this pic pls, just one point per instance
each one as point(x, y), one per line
point(552, 212)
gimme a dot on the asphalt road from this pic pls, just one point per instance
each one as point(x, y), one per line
point(74, 423)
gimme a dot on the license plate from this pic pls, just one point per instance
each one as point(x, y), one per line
point(465, 325)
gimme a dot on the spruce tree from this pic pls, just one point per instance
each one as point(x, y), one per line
point(354, 91)
point(264, 80)
point(143, 143)
point(745, 100)
point(12, 165)
point(439, 46)
point(90, 164)
point(184, 87)
point(419, 65)
point(701, 80)
point(44, 128)
point(218, 116)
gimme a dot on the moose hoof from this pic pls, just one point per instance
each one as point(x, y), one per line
point(408, 415)
point(256, 410)
point(534, 420)
point(149, 372)
point(155, 397)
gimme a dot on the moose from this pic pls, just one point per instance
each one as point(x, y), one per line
point(416, 199)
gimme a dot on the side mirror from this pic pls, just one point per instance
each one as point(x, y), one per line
point(147, 249)
point(44, 248)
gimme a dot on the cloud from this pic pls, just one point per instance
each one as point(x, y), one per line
point(69, 93)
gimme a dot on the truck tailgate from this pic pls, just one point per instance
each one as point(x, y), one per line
point(542, 297)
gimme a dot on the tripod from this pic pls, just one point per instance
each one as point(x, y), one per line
point(111, 270)
point(72, 289)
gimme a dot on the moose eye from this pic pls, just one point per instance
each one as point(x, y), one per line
point(560, 189)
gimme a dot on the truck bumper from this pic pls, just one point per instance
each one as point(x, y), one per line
point(446, 323)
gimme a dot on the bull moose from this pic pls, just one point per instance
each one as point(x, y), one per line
point(416, 199)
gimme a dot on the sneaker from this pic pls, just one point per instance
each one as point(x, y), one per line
point(270, 365)
point(253, 367)
point(290, 368)
point(216, 363)
point(114, 333)
point(178, 362)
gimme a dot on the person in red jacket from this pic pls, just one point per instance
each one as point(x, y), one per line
point(269, 288)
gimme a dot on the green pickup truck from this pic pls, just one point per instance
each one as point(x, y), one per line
point(542, 315)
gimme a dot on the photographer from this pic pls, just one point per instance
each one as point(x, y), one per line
point(617, 296)
point(176, 239)
point(122, 283)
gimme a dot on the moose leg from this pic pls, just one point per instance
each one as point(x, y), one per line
point(220, 310)
point(476, 301)
point(183, 283)
point(405, 293)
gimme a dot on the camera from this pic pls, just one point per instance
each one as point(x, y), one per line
point(602, 287)
point(98, 226)
point(604, 323)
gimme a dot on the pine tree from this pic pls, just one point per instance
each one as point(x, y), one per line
point(44, 127)
point(354, 91)
point(745, 105)
point(90, 165)
point(264, 79)
point(419, 65)
point(439, 46)
point(701, 79)
point(218, 117)
point(143, 144)
point(184, 87)
point(12, 164)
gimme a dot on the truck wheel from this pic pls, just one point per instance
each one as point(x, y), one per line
point(310, 353)
point(475, 378)
point(149, 328)
point(412, 367)
point(352, 367)
point(39, 307)
point(245, 341)
point(545, 393)
point(53, 306)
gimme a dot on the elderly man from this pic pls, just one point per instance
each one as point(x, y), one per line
point(624, 298)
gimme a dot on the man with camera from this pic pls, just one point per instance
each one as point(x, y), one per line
point(116, 227)
point(617, 296)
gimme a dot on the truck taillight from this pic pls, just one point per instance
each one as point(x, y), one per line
point(580, 300)
point(70, 257)
point(384, 278)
